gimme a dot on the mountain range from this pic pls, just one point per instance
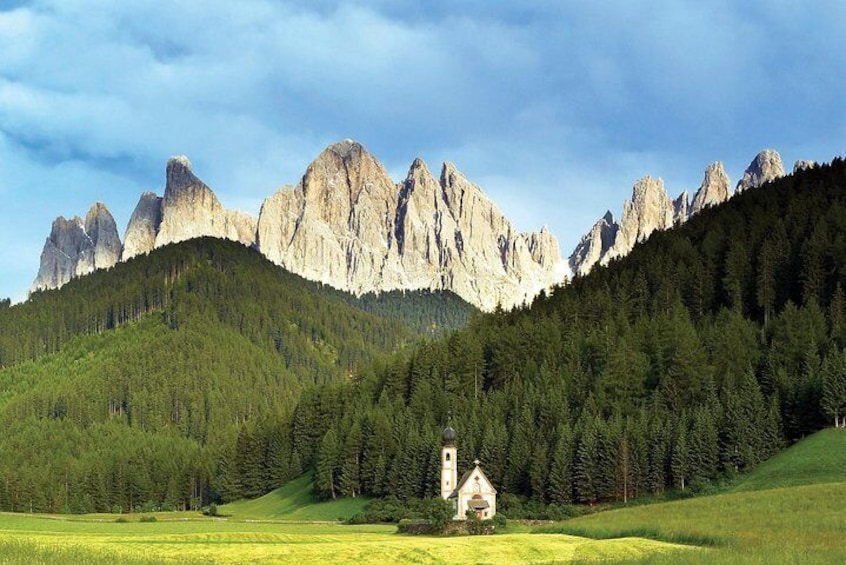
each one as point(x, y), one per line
point(651, 209)
point(347, 224)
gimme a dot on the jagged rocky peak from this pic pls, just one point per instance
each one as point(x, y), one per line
point(349, 225)
point(77, 247)
point(180, 173)
point(650, 209)
point(334, 226)
point(346, 224)
point(419, 215)
point(190, 209)
point(101, 229)
point(803, 165)
point(593, 245)
point(713, 190)
point(143, 226)
point(764, 168)
point(681, 208)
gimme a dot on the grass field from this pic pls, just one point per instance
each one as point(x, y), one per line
point(38, 539)
point(789, 510)
point(294, 501)
point(818, 459)
point(792, 509)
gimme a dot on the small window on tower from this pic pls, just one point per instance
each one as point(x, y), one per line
point(447, 456)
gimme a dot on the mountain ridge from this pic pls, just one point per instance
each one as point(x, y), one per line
point(348, 224)
point(652, 209)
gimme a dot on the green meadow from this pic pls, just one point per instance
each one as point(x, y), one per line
point(294, 501)
point(789, 510)
point(39, 539)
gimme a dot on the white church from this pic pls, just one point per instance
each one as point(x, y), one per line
point(473, 493)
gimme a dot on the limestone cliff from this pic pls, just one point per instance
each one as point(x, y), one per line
point(140, 235)
point(651, 209)
point(765, 167)
point(593, 245)
point(347, 224)
point(713, 190)
point(188, 209)
point(77, 247)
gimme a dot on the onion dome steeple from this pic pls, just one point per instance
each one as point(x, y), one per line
point(449, 436)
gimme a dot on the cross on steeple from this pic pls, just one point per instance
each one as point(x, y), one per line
point(476, 462)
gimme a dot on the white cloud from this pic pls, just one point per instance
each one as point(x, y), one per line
point(554, 108)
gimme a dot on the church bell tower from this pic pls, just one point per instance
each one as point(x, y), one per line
point(449, 465)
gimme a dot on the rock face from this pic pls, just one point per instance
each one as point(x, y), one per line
point(189, 209)
point(77, 247)
point(765, 167)
point(650, 209)
point(803, 164)
point(348, 225)
point(140, 236)
point(713, 190)
point(681, 208)
point(594, 245)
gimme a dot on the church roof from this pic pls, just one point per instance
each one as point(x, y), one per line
point(466, 477)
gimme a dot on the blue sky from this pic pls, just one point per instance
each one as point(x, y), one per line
point(554, 108)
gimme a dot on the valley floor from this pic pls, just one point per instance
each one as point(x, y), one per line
point(788, 510)
point(42, 539)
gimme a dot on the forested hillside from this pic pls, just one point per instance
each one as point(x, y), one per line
point(698, 356)
point(172, 378)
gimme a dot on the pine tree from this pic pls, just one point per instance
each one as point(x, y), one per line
point(350, 481)
point(679, 466)
point(326, 469)
point(834, 388)
point(560, 486)
point(586, 461)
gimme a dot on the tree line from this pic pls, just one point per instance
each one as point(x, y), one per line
point(708, 348)
point(698, 356)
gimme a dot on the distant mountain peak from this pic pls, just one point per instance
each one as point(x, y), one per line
point(179, 174)
point(77, 247)
point(421, 233)
point(349, 225)
point(345, 147)
point(650, 209)
point(765, 167)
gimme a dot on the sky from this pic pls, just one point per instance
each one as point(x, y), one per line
point(555, 108)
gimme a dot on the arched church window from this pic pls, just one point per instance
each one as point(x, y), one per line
point(447, 456)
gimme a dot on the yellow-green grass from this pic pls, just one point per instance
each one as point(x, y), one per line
point(788, 524)
point(294, 501)
point(817, 459)
point(39, 539)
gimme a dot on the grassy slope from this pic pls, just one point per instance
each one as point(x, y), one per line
point(294, 501)
point(788, 510)
point(818, 459)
